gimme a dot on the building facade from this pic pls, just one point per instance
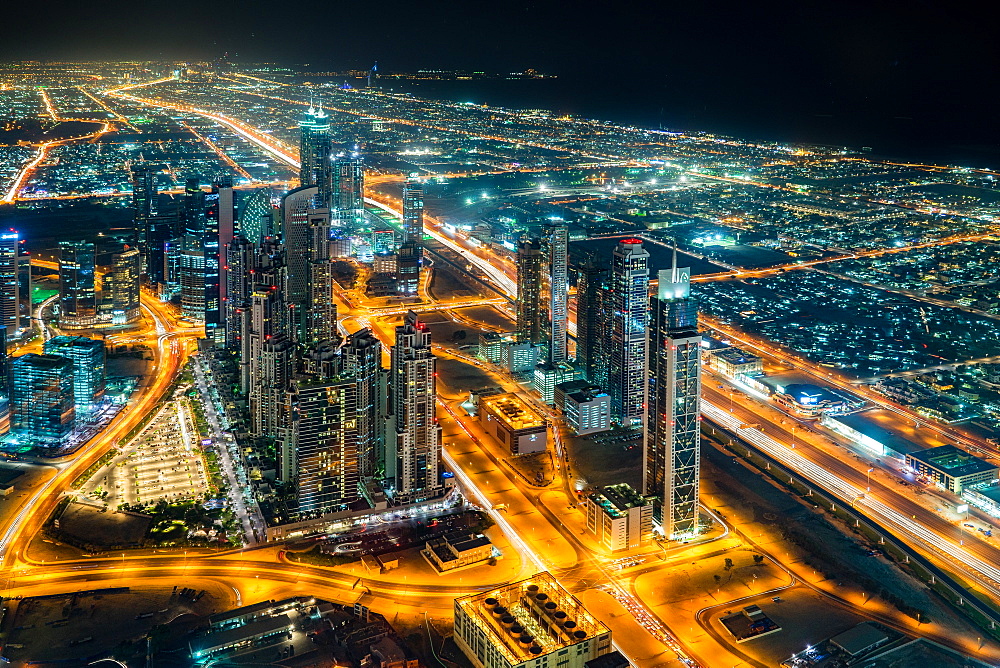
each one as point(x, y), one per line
point(89, 359)
point(42, 403)
point(672, 445)
point(414, 460)
point(629, 310)
point(620, 518)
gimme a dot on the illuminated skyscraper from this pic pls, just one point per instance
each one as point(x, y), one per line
point(323, 434)
point(10, 297)
point(220, 221)
point(591, 322)
point(316, 151)
point(530, 261)
point(363, 360)
point(413, 461)
point(239, 261)
point(255, 219)
point(671, 450)
point(42, 403)
point(629, 320)
point(119, 272)
point(410, 253)
point(413, 211)
point(348, 200)
point(89, 361)
point(557, 247)
point(77, 294)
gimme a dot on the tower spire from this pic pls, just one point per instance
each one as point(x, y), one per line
point(312, 110)
point(673, 263)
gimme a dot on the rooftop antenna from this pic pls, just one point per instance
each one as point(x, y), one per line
point(673, 263)
point(311, 109)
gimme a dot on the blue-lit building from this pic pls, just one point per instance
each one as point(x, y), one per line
point(88, 357)
point(43, 407)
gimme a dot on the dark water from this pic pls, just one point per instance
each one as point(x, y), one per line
point(934, 134)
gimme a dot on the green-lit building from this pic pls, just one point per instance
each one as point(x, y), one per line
point(42, 403)
point(89, 361)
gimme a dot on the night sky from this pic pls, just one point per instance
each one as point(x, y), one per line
point(935, 62)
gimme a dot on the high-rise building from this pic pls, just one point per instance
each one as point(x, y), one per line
point(557, 247)
point(239, 263)
point(10, 297)
point(348, 201)
point(323, 434)
point(77, 292)
point(119, 273)
point(190, 253)
point(529, 292)
point(296, 208)
point(414, 460)
point(309, 293)
point(89, 361)
point(629, 320)
point(42, 404)
point(413, 211)
point(591, 322)
point(410, 253)
point(316, 154)
point(220, 222)
point(256, 215)
point(144, 191)
point(363, 360)
point(671, 450)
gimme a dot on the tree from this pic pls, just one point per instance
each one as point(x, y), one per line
point(758, 559)
point(718, 578)
point(729, 563)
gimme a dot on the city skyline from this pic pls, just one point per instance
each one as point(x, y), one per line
point(347, 367)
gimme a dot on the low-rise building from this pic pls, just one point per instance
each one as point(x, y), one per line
point(620, 518)
point(513, 423)
point(456, 550)
point(586, 407)
point(952, 468)
point(533, 623)
point(733, 362)
point(491, 347)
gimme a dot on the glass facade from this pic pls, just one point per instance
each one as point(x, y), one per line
point(42, 402)
point(89, 362)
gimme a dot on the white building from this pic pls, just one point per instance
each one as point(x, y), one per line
point(620, 518)
point(534, 623)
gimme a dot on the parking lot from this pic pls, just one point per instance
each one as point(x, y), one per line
point(164, 462)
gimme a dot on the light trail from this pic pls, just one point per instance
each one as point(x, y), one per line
point(989, 575)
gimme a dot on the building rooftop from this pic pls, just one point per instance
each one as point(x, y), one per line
point(860, 638)
point(544, 616)
point(736, 356)
point(228, 637)
point(74, 341)
point(864, 425)
point(513, 410)
point(616, 500)
point(953, 461)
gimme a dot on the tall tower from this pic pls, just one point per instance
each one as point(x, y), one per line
point(363, 360)
point(309, 295)
point(10, 298)
point(323, 433)
point(591, 322)
point(348, 199)
point(41, 398)
point(629, 319)
point(77, 293)
point(220, 222)
point(671, 450)
point(239, 261)
point(411, 250)
point(557, 235)
point(529, 292)
point(414, 462)
point(316, 154)
point(89, 358)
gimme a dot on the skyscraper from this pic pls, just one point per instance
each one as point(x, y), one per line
point(144, 191)
point(239, 262)
point(119, 272)
point(591, 322)
point(220, 220)
point(363, 360)
point(89, 359)
point(324, 437)
point(348, 203)
point(255, 219)
point(557, 237)
point(411, 250)
point(316, 154)
point(42, 403)
point(414, 459)
point(629, 320)
point(529, 292)
point(671, 450)
point(191, 261)
point(77, 294)
point(10, 298)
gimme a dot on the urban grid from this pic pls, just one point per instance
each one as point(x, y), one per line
point(301, 370)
